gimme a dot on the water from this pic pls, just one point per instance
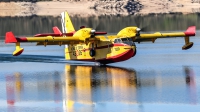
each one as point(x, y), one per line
point(86, 88)
point(161, 77)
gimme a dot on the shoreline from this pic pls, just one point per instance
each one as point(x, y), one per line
point(95, 8)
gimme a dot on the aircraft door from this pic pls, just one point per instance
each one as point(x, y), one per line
point(92, 51)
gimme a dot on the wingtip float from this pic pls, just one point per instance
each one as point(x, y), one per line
point(86, 44)
point(191, 31)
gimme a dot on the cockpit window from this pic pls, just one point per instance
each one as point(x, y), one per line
point(118, 40)
point(115, 41)
point(128, 41)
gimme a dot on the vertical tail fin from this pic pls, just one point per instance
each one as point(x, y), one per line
point(67, 25)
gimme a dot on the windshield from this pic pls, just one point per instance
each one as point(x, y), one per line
point(128, 41)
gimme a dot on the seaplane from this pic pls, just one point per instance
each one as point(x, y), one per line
point(87, 44)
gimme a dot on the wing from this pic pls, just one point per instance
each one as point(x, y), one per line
point(189, 32)
point(84, 35)
point(41, 40)
point(134, 32)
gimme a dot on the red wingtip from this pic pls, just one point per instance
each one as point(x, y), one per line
point(56, 30)
point(10, 38)
point(190, 31)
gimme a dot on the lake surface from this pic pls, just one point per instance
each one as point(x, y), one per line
point(161, 77)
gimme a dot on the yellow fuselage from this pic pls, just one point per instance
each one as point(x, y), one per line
point(105, 52)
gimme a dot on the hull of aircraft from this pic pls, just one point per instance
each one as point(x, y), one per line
point(104, 54)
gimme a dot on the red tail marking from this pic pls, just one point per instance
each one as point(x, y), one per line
point(10, 38)
point(53, 34)
point(190, 31)
point(56, 30)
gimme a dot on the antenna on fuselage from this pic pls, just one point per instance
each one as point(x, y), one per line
point(82, 27)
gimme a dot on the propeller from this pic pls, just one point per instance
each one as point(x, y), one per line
point(98, 27)
point(95, 31)
point(141, 28)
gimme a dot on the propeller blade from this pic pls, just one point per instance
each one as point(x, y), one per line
point(138, 20)
point(144, 29)
point(98, 30)
point(99, 27)
point(139, 23)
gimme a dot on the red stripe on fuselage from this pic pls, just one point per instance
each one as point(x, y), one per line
point(111, 45)
point(121, 57)
point(103, 47)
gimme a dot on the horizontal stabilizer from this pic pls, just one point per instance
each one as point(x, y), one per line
point(56, 30)
point(53, 34)
point(56, 33)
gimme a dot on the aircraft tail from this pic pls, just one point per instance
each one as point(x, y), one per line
point(67, 25)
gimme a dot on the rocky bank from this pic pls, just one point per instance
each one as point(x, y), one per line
point(99, 7)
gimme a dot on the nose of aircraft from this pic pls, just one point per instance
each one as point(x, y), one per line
point(134, 50)
point(131, 50)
